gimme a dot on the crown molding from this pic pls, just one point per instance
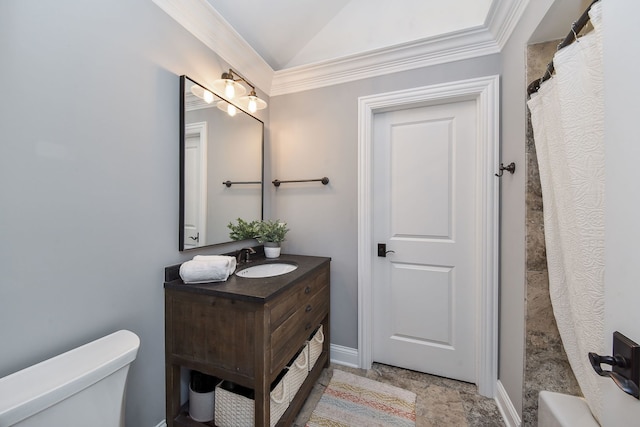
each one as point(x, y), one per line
point(485, 40)
point(451, 47)
point(503, 18)
point(207, 25)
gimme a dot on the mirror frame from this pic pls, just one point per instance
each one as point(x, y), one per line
point(181, 215)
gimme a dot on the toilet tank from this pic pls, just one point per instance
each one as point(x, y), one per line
point(82, 387)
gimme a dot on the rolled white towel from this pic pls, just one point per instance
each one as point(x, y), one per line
point(209, 268)
point(218, 258)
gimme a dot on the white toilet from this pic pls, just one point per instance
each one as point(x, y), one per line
point(563, 410)
point(79, 388)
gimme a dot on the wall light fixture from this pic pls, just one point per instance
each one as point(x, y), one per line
point(228, 85)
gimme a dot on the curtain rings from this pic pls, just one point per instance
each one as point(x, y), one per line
point(573, 30)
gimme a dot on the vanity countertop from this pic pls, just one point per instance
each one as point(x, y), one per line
point(248, 289)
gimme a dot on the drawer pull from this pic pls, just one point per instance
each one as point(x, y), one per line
point(308, 309)
point(307, 289)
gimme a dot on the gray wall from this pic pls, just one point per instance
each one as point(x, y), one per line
point(89, 179)
point(512, 222)
point(315, 134)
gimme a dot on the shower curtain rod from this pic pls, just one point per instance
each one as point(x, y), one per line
point(576, 27)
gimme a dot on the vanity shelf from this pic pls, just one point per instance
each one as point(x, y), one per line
point(245, 331)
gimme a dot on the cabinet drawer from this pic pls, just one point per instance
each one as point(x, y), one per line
point(289, 302)
point(285, 340)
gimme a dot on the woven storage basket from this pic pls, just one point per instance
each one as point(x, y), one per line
point(297, 372)
point(315, 347)
point(236, 407)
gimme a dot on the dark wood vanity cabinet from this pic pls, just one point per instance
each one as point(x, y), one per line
point(245, 331)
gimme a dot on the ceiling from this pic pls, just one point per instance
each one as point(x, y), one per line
point(286, 46)
point(289, 33)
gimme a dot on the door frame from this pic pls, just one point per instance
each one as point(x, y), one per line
point(201, 130)
point(485, 92)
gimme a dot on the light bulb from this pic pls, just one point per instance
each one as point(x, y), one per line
point(229, 90)
point(208, 97)
point(253, 105)
point(231, 110)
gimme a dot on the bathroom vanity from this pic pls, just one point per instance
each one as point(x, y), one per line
point(245, 330)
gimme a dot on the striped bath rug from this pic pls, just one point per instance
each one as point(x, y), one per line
point(353, 401)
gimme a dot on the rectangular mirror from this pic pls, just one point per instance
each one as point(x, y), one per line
point(221, 167)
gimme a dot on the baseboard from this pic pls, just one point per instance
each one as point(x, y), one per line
point(506, 408)
point(345, 356)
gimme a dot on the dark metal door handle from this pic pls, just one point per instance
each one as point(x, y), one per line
point(382, 250)
point(627, 385)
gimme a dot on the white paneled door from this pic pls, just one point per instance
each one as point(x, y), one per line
point(195, 185)
point(425, 211)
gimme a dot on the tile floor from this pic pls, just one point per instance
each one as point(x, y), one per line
point(440, 402)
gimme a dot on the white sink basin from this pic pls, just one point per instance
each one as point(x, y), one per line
point(266, 270)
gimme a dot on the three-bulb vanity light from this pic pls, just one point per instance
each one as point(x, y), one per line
point(230, 88)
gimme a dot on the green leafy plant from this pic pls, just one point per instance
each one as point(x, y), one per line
point(243, 230)
point(272, 231)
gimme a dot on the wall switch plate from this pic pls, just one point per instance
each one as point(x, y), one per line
point(623, 346)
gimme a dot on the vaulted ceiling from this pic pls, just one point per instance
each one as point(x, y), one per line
point(289, 33)
point(285, 46)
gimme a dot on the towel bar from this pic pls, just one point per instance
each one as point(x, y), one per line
point(230, 183)
point(323, 180)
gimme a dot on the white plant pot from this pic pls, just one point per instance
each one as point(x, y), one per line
point(271, 251)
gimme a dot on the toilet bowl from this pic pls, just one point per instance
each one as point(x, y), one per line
point(82, 387)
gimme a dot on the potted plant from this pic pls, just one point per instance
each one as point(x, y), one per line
point(271, 234)
point(243, 230)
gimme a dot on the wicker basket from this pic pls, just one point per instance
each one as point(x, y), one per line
point(315, 347)
point(297, 372)
point(235, 405)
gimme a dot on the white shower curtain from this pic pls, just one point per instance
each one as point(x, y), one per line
point(567, 115)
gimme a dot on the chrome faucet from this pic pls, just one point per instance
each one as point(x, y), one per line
point(247, 255)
